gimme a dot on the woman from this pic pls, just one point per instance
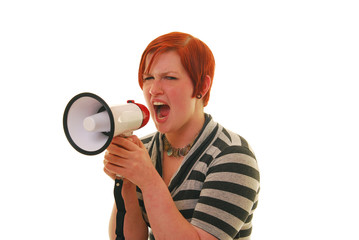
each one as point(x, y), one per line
point(195, 179)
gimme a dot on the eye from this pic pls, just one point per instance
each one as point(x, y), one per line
point(148, 78)
point(170, 78)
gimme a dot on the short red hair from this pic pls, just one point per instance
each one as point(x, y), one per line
point(196, 57)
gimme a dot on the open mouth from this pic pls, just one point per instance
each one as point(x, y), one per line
point(162, 110)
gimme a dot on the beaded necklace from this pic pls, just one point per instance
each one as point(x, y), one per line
point(175, 152)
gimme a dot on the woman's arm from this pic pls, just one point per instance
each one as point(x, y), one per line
point(134, 227)
point(129, 158)
point(165, 219)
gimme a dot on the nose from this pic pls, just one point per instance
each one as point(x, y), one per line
point(156, 88)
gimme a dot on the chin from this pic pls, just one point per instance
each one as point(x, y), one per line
point(162, 125)
point(161, 128)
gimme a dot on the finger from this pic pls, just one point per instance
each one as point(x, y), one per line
point(115, 159)
point(113, 169)
point(138, 142)
point(126, 143)
point(110, 174)
point(117, 150)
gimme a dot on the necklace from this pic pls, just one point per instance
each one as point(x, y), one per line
point(175, 152)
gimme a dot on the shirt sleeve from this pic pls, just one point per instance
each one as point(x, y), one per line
point(229, 194)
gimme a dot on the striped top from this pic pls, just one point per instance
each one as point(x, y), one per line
point(216, 187)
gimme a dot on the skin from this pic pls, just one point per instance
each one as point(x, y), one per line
point(166, 82)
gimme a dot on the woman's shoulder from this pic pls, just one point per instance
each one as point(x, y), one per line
point(149, 139)
point(232, 153)
point(228, 141)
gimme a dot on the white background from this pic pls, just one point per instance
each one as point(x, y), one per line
point(285, 80)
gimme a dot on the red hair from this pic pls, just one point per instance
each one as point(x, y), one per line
point(196, 57)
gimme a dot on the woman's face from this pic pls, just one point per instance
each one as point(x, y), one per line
point(168, 91)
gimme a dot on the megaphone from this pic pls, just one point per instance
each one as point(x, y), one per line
point(90, 124)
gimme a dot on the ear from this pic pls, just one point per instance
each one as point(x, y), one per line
point(206, 85)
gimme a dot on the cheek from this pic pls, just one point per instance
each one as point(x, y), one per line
point(146, 94)
point(183, 99)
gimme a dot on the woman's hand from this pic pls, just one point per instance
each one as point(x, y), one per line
point(128, 157)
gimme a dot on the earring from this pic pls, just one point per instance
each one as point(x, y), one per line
point(199, 96)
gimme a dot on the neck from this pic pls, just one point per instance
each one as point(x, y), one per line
point(187, 133)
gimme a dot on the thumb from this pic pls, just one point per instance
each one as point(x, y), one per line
point(138, 142)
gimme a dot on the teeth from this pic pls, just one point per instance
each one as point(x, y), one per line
point(158, 104)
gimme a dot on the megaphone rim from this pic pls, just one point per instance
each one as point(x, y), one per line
point(65, 125)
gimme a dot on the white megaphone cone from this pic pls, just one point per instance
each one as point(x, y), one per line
point(90, 124)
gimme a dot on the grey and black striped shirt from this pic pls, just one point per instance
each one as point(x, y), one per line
point(216, 187)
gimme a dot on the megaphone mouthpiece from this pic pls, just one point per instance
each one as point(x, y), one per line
point(99, 122)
